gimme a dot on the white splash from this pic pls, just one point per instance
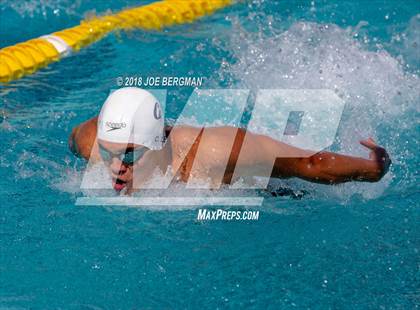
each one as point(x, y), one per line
point(377, 91)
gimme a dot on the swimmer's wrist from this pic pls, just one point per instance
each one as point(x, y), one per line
point(372, 172)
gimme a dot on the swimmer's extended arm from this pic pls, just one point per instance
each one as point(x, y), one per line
point(324, 167)
point(82, 140)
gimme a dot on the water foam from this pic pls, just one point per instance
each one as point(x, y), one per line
point(407, 44)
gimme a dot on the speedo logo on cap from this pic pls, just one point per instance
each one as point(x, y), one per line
point(115, 126)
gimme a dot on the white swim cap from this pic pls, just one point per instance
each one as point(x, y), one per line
point(132, 115)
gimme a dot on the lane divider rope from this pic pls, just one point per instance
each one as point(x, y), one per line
point(27, 57)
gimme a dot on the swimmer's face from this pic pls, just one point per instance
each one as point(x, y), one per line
point(121, 160)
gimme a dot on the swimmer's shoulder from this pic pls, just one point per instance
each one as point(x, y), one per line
point(82, 140)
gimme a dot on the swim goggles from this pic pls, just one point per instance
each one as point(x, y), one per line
point(128, 157)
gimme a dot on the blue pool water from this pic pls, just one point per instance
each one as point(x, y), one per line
point(343, 247)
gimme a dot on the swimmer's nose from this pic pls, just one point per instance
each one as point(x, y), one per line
point(117, 167)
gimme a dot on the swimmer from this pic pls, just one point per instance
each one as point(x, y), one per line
point(129, 136)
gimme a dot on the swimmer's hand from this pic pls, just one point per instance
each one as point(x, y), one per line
point(379, 157)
